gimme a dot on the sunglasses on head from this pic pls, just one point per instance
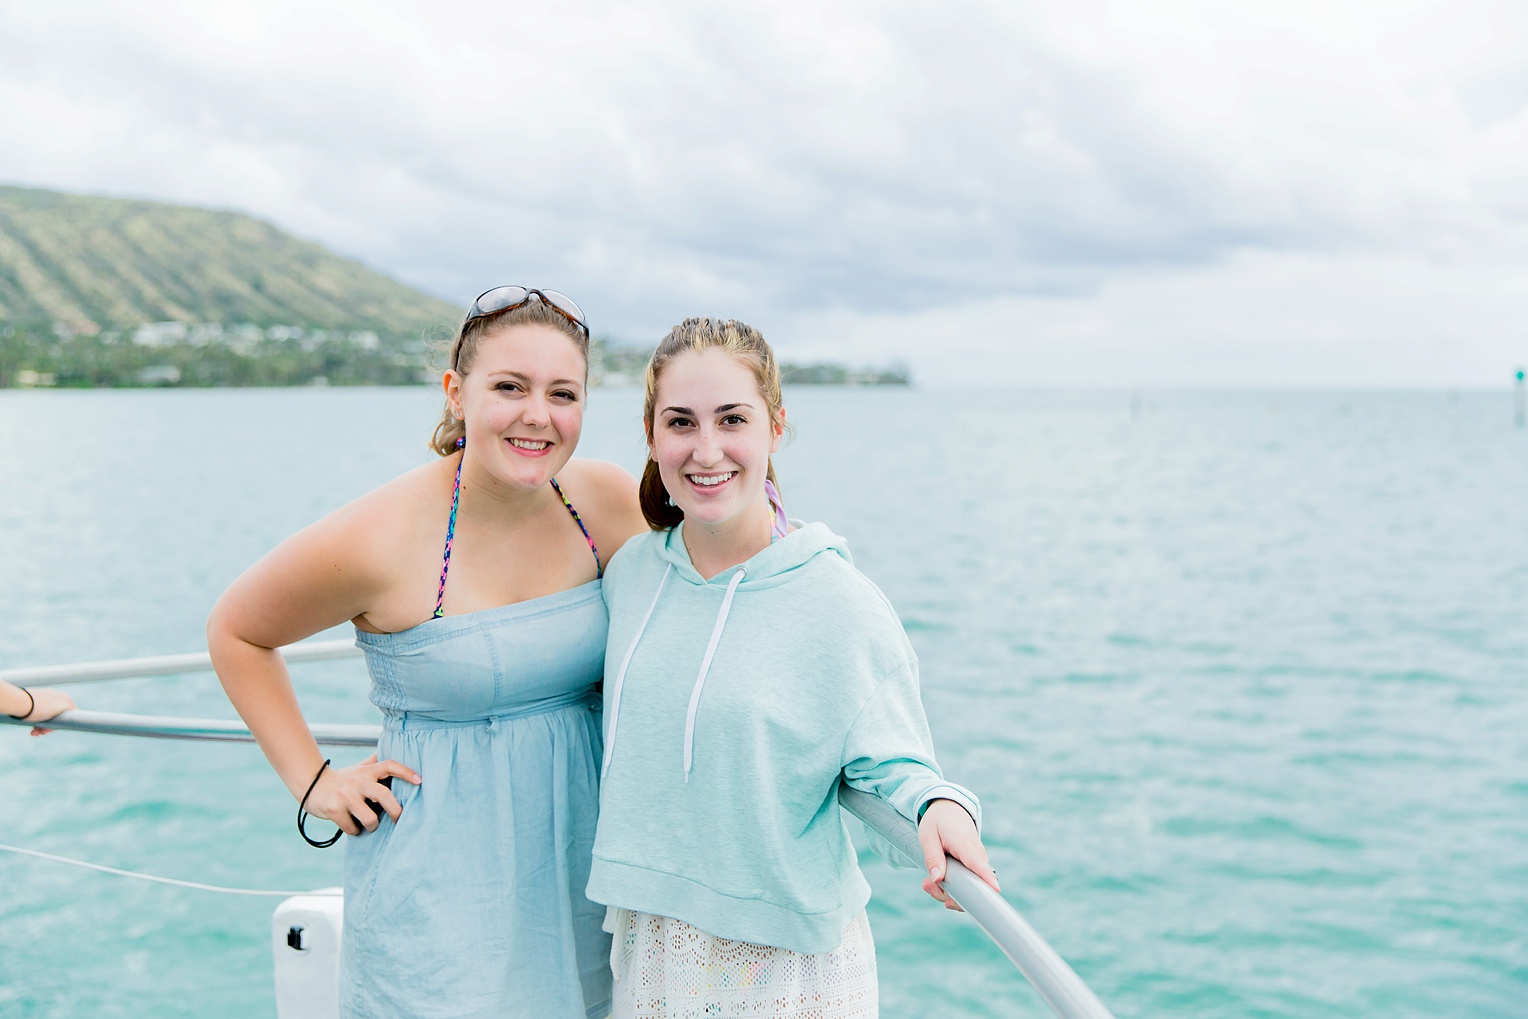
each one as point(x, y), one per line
point(491, 302)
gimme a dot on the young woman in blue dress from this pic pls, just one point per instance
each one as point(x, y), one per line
point(750, 669)
point(474, 588)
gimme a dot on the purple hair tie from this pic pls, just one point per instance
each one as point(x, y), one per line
point(781, 526)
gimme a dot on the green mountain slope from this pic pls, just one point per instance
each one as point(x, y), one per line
point(111, 263)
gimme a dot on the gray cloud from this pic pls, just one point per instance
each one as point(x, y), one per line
point(855, 158)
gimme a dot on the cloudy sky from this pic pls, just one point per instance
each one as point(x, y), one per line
point(1134, 193)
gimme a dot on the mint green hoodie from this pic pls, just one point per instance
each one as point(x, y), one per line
point(732, 707)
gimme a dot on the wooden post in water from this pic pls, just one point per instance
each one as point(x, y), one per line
point(1520, 407)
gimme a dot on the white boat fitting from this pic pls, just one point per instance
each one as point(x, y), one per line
point(306, 929)
point(306, 934)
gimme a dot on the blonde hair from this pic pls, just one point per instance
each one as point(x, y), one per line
point(738, 340)
point(464, 350)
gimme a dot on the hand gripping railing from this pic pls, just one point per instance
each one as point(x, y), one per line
point(1056, 982)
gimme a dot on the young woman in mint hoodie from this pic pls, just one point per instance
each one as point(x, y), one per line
point(749, 666)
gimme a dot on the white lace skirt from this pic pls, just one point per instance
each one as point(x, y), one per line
point(665, 968)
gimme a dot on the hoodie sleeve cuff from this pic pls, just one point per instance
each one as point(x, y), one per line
point(951, 791)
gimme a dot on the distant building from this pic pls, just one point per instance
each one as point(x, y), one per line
point(77, 327)
point(243, 338)
point(159, 334)
point(204, 333)
point(158, 375)
point(26, 378)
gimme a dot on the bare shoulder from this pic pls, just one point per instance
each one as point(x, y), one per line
point(606, 497)
point(340, 567)
point(376, 526)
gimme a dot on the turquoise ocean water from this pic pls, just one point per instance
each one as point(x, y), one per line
point(1241, 679)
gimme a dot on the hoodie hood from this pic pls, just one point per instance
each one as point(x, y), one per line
point(771, 567)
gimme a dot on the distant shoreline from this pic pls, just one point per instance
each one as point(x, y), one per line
point(320, 382)
point(173, 355)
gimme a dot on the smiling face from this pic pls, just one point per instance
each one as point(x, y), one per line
point(711, 439)
point(522, 402)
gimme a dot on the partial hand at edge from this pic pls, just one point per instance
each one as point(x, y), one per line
point(47, 702)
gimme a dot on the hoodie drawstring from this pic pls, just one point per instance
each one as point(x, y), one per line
point(705, 667)
point(613, 705)
point(620, 677)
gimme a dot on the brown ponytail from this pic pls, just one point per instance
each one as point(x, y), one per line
point(658, 509)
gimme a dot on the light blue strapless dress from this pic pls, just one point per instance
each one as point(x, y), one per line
point(473, 903)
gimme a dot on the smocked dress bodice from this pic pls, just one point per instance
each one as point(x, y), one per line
point(473, 903)
point(517, 659)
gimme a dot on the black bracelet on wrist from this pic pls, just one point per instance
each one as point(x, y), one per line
point(302, 813)
point(31, 705)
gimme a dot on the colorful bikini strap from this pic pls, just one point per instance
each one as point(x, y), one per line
point(599, 568)
point(445, 561)
point(456, 496)
point(781, 526)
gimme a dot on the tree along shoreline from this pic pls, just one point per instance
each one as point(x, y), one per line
point(203, 357)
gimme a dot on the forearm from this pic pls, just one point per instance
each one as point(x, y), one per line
point(14, 700)
point(257, 683)
point(910, 786)
point(889, 752)
point(956, 794)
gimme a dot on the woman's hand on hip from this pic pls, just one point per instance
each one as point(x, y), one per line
point(946, 829)
point(341, 794)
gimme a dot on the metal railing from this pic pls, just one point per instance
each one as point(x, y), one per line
point(214, 729)
point(1056, 982)
point(164, 665)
